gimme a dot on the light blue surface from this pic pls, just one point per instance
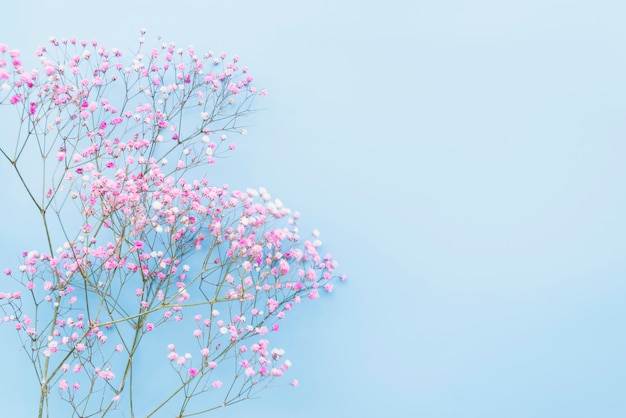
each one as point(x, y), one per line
point(464, 161)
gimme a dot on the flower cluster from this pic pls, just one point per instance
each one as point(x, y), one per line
point(147, 244)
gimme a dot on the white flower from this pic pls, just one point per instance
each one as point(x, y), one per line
point(277, 353)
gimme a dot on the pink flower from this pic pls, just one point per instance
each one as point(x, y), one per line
point(193, 371)
point(294, 383)
point(217, 384)
point(149, 326)
point(283, 267)
point(106, 375)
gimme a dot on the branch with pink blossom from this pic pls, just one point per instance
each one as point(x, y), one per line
point(152, 256)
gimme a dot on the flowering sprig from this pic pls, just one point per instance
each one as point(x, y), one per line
point(146, 247)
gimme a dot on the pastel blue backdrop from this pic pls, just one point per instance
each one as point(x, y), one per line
point(464, 161)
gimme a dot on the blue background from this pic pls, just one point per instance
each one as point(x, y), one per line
point(464, 161)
